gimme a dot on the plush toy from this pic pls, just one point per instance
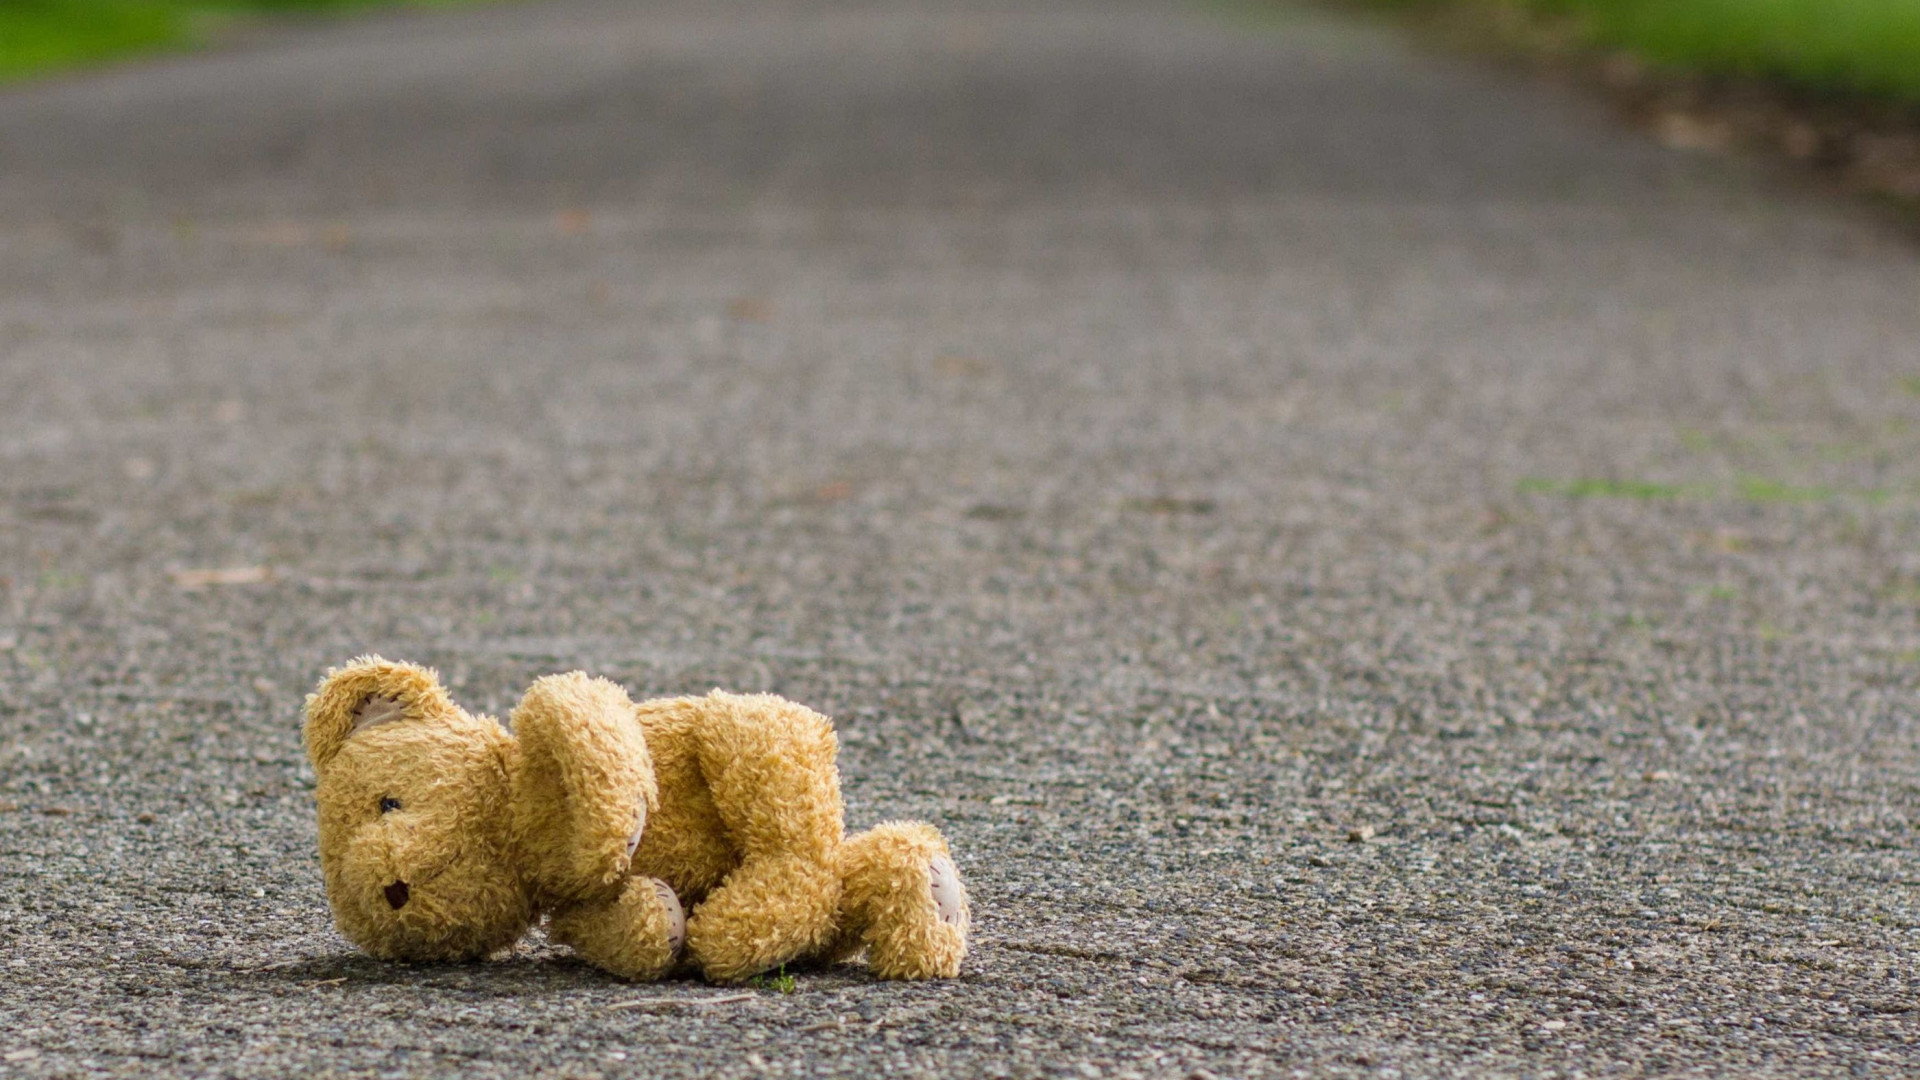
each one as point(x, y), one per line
point(443, 836)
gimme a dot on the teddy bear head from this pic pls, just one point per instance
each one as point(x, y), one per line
point(441, 834)
point(415, 820)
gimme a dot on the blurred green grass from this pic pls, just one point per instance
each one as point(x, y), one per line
point(42, 36)
point(1867, 47)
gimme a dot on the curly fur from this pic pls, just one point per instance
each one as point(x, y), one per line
point(444, 836)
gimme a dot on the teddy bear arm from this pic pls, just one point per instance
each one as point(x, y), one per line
point(637, 935)
point(584, 788)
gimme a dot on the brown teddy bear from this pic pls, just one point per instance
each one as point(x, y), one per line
point(443, 836)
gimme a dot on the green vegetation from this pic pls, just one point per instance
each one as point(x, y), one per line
point(1866, 46)
point(780, 981)
point(40, 36)
point(1760, 489)
point(1587, 488)
point(1858, 46)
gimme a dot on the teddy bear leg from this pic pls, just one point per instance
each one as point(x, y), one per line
point(769, 767)
point(637, 935)
point(771, 910)
point(903, 902)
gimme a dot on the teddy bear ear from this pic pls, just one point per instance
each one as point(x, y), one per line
point(368, 692)
point(584, 787)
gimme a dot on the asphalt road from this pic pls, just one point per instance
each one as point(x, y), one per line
point(1378, 571)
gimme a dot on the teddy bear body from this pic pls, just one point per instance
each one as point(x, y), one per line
point(702, 830)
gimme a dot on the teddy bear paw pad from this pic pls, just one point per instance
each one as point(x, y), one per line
point(676, 915)
point(949, 897)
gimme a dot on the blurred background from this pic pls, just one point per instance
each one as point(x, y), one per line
point(1833, 85)
point(1859, 46)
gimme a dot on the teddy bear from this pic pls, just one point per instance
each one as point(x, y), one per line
point(702, 832)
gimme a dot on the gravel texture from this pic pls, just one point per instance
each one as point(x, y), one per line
point(1377, 572)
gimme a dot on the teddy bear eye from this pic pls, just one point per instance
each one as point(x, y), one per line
point(388, 804)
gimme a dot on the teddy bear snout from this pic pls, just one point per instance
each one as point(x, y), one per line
point(396, 895)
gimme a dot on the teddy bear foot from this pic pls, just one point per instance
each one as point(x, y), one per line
point(639, 935)
point(903, 902)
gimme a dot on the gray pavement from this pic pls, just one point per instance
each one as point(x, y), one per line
point(1378, 571)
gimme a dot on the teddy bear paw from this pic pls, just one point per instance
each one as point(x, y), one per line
point(949, 897)
point(676, 916)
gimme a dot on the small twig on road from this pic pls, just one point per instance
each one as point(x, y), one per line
point(221, 575)
point(659, 1002)
point(825, 1025)
point(329, 982)
point(275, 966)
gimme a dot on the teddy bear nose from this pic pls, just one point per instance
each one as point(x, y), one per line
point(396, 895)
